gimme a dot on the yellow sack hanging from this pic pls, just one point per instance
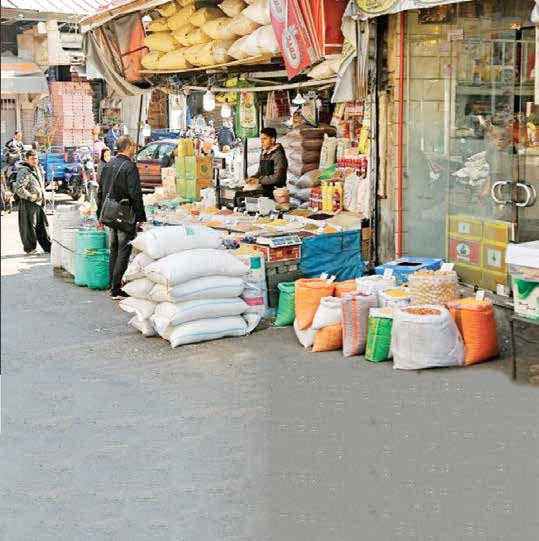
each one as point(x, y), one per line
point(158, 25)
point(233, 7)
point(175, 60)
point(192, 54)
point(161, 41)
point(181, 33)
point(184, 3)
point(151, 60)
point(204, 54)
point(242, 26)
point(219, 29)
point(202, 16)
point(197, 37)
point(220, 51)
point(182, 17)
point(168, 9)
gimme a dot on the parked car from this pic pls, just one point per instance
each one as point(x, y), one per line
point(159, 134)
point(151, 159)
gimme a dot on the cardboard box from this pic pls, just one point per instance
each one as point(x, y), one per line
point(465, 227)
point(464, 251)
point(204, 168)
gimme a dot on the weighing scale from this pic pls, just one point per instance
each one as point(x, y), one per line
point(280, 248)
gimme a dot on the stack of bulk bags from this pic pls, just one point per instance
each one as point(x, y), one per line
point(303, 147)
point(67, 216)
point(185, 288)
point(300, 187)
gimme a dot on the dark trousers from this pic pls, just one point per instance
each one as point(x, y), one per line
point(33, 226)
point(120, 250)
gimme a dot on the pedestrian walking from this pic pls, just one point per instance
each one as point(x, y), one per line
point(112, 136)
point(121, 182)
point(104, 158)
point(30, 187)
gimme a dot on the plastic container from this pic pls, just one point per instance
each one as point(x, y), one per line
point(405, 266)
point(97, 268)
point(434, 287)
point(87, 239)
point(526, 296)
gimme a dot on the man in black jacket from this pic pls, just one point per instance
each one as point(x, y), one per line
point(273, 165)
point(120, 179)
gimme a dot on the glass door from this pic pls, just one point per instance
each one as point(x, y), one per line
point(488, 194)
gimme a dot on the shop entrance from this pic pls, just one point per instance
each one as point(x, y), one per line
point(472, 146)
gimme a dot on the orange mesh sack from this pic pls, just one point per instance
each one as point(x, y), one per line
point(328, 338)
point(309, 293)
point(344, 287)
point(477, 325)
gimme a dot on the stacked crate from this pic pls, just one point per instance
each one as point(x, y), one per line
point(72, 114)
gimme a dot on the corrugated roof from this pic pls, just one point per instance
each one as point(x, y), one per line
point(75, 7)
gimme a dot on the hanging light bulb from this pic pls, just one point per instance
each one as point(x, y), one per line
point(209, 101)
point(226, 110)
point(299, 99)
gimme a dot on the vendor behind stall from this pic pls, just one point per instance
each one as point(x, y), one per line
point(273, 165)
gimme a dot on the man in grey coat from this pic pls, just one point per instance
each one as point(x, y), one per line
point(30, 187)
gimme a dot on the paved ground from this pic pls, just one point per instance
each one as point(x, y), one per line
point(110, 436)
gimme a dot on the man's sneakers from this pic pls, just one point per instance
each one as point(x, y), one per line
point(31, 252)
point(118, 295)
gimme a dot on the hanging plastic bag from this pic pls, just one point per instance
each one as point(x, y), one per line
point(477, 325)
point(309, 293)
point(424, 337)
point(286, 312)
point(355, 317)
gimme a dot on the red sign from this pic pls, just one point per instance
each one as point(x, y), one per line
point(297, 46)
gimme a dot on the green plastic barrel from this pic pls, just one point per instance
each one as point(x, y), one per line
point(97, 268)
point(286, 311)
point(87, 239)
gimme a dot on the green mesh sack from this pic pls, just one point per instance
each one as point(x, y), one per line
point(286, 311)
point(378, 337)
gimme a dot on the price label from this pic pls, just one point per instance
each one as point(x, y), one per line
point(480, 295)
point(388, 273)
point(447, 267)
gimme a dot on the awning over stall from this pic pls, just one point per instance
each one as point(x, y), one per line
point(374, 8)
point(21, 76)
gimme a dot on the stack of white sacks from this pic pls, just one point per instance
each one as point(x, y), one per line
point(64, 235)
point(185, 288)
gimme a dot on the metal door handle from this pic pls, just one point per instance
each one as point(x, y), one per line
point(497, 186)
point(531, 194)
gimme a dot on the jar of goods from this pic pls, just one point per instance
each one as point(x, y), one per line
point(433, 287)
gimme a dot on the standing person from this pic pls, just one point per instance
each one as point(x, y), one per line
point(33, 223)
point(14, 148)
point(98, 147)
point(120, 180)
point(112, 136)
point(104, 158)
point(273, 165)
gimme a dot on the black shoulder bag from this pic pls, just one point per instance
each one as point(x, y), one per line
point(117, 215)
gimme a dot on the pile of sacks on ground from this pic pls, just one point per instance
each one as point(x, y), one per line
point(372, 316)
point(185, 287)
point(183, 36)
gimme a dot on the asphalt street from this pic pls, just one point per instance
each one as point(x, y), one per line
point(107, 435)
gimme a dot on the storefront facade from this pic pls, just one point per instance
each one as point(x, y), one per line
point(470, 149)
